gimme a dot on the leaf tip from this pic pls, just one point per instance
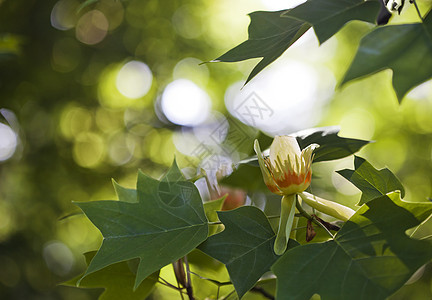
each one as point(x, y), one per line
point(78, 283)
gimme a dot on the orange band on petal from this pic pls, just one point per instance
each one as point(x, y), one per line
point(273, 189)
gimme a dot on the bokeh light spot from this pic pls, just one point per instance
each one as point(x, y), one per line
point(92, 27)
point(58, 257)
point(63, 14)
point(184, 22)
point(283, 98)
point(8, 142)
point(190, 68)
point(110, 81)
point(88, 149)
point(113, 10)
point(134, 79)
point(75, 120)
point(185, 103)
point(158, 145)
point(121, 149)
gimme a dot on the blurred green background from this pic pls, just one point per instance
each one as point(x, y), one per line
point(96, 93)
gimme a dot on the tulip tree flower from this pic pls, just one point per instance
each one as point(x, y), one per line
point(287, 172)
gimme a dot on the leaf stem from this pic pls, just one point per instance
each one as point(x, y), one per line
point(297, 228)
point(188, 281)
point(418, 10)
point(309, 217)
point(195, 178)
point(166, 283)
point(218, 283)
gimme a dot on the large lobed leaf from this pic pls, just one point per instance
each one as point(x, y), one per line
point(331, 145)
point(328, 16)
point(211, 208)
point(406, 49)
point(117, 280)
point(247, 177)
point(372, 182)
point(269, 36)
point(245, 246)
point(166, 222)
point(370, 258)
point(271, 33)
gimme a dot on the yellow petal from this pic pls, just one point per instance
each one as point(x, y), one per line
point(268, 179)
point(286, 148)
point(307, 153)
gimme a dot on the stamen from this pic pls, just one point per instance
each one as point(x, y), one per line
point(279, 164)
point(297, 165)
point(289, 164)
point(303, 165)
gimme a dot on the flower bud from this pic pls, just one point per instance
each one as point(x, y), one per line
point(330, 208)
point(287, 170)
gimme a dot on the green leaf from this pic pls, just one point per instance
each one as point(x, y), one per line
point(269, 36)
point(328, 16)
point(174, 174)
point(406, 49)
point(245, 246)
point(125, 194)
point(211, 208)
point(117, 280)
point(370, 258)
point(247, 177)
point(372, 182)
point(332, 146)
point(166, 223)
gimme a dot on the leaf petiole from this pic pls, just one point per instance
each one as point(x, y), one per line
point(166, 283)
